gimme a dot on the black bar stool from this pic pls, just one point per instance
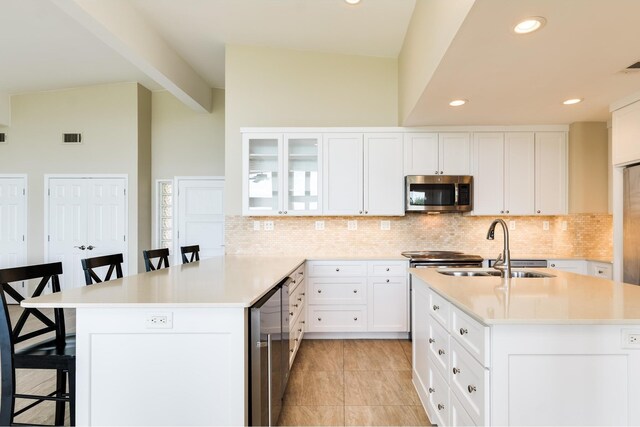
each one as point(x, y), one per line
point(194, 250)
point(57, 352)
point(151, 254)
point(113, 261)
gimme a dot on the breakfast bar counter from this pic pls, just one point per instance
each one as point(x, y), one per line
point(562, 350)
point(168, 347)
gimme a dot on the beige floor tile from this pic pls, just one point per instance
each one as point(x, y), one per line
point(320, 355)
point(312, 416)
point(407, 347)
point(369, 388)
point(374, 355)
point(385, 416)
point(311, 388)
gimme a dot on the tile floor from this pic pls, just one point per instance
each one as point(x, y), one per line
point(351, 383)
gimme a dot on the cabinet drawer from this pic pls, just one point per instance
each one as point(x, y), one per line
point(337, 319)
point(438, 398)
point(298, 275)
point(439, 308)
point(337, 268)
point(297, 302)
point(601, 269)
point(458, 415)
point(350, 290)
point(388, 268)
point(438, 347)
point(469, 382)
point(471, 334)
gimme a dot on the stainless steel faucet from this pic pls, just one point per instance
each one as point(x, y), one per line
point(503, 262)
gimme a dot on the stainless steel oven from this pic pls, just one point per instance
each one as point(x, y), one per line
point(438, 193)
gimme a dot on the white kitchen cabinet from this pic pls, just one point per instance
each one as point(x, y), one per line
point(428, 153)
point(282, 174)
point(503, 169)
point(572, 266)
point(551, 173)
point(600, 269)
point(357, 296)
point(363, 174)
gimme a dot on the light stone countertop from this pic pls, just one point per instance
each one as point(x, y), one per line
point(567, 258)
point(225, 281)
point(567, 298)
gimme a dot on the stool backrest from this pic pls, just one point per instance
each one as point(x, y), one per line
point(193, 250)
point(113, 261)
point(150, 255)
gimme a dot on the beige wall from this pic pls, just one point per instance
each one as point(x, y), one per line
point(588, 168)
point(186, 142)
point(107, 117)
point(433, 26)
point(279, 87)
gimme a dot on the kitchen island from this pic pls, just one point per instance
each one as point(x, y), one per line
point(168, 347)
point(562, 350)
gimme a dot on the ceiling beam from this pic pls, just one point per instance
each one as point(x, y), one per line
point(5, 109)
point(118, 25)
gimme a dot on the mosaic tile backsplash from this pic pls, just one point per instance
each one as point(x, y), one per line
point(586, 236)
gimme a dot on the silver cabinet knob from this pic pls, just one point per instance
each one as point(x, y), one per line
point(553, 265)
point(291, 351)
point(285, 212)
point(303, 322)
point(456, 371)
point(355, 319)
point(388, 280)
point(90, 247)
point(463, 331)
point(471, 388)
point(387, 268)
point(436, 308)
point(82, 248)
point(366, 212)
point(600, 271)
point(436, 172)
point(291, 313)
point(355, 291)
point(299, 299)
point(441, 172)
point(431, 340)
point(360, 212)
point(507, 211)
point(441, 352)
point(303, 294)
point(501, 211)
point(440, 406)
point(295, 305)
point(295, 339)
point(337, 269)
point(300, 330)
point(319, 291)
point(432, 390)
point(280, 212)
point(538, 211)
point(319, 319)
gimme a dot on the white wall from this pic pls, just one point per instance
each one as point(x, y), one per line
point(279, 87)
point(5, 109)
point(107, 117)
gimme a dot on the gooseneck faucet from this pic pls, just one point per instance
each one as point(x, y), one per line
point(503, 262)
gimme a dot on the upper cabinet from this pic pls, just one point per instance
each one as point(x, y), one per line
point(437, 153)
point(520, 173)
point(282, 174)
point(363, 174)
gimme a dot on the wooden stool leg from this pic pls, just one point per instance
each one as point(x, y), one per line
point(61, 387)
point(72, 393)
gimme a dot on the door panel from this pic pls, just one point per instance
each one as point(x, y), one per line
point(342, 174)
point(13, 224)
point(89, 213)
point(201, 216)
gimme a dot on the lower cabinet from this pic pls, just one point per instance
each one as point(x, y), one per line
point(297, 312)
point(357, 296)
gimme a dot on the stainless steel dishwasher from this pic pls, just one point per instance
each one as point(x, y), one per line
point(269, 355)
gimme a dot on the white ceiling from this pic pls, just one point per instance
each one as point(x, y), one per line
point(508, 79)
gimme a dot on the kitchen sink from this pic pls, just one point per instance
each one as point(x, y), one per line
point(488, 273)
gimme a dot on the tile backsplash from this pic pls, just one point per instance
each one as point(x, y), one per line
point(577, 235)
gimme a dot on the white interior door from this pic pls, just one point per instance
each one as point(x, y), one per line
point(200, 216)
point(13, 224)
point(86, 218)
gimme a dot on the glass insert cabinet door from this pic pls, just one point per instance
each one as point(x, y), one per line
point(302, 174)
point(262, 169)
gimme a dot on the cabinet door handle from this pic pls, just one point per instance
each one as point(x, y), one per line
point(440, 406)
point(90, 247)
point(431, 340)
point(355, 319)
point(285, 212)
point(501, 211)
point(600, 271)
point(436, 308)
point(366, 212)
point(296, 339)
point(299, 299)
point(303, 294)
point(337, 269)
point(295, 305)
point(291, 313)
point(355, 291)
point(553, 265)
point(291, 350)
point(471, 388)
point(456, 371)
point(82, 248)
point(300, 330)
point(432, 390)
point(441, 352)
point(436, 172)
point(463, 331)
point(303, 322)
point(387, 268)
point(538, 211)
point(280, 212)
point(387, 280)
point(319, 319)
point(360, 212)
point(319, 291)
point(441, 172)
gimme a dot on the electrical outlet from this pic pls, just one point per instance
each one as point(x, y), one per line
point(545, 225)
point(352, 225)
point(512, 225)
point(256, 225)
point(268, 226)
point(563, 225)
point(319, 225)
point(385, 225)
point(159, 321)
point(630, 338)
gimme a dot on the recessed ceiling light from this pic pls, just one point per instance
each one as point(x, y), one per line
point(529, 25)
point(572, 101)
point(352, 1)
point(458, 102)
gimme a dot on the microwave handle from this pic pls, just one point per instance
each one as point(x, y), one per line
point(456, 194)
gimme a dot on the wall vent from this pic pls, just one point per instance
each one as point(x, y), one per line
point(3, 138)
point(72, 138)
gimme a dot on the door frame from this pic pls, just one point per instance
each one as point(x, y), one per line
point(176, 210)
point(47, 180)
point(24, 253)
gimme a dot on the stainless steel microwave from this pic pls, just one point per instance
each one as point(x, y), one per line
point(438, 193)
